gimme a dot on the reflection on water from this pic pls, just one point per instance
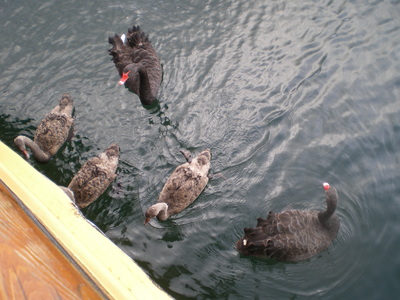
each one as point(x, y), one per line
point(286, 95)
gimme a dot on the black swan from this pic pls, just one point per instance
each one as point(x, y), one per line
point(51, 133)
point(137, 64)
point(183, 187)
point(95, 176)
point(293, 235)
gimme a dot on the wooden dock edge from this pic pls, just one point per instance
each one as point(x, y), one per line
point(115, 273)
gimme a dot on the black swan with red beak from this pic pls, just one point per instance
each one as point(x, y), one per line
point(137, 63)
point(293, 235)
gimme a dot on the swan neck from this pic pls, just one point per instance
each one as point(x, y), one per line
point(146, 95)
point(38, 153)
point(331, 203)
point(162, 211)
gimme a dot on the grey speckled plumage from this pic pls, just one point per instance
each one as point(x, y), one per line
point(183, 186)
point(137, 59)
point(95, 176)
point(52, 132)
point(293, 235)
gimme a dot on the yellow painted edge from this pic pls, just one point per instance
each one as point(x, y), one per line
point(108, 266)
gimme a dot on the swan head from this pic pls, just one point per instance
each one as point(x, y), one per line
point(124, 78)
point(130, 71)
point(68, 192)
point(66, 100)
point(20, 143)
point(113, 151)
point(158, 210)
point(204, 157)
point(331, 193)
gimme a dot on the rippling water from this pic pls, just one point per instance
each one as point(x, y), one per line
point(287, 95)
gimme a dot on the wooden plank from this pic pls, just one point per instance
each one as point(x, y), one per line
point(107, 266)
point(32, 267)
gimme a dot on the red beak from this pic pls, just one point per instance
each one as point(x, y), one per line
point(26, 154)
point(124, 78)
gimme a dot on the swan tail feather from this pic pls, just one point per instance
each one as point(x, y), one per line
point(120, 56)
point(117, 44)
point(136, 37)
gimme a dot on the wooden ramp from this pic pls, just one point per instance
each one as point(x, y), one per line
point(48, 250)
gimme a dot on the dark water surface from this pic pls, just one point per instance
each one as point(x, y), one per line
point(287, 94)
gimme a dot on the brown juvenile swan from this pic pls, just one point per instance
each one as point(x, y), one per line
point(137, 64)
point(51, 133)
point(183, 187)
point(293, 235)
point(94, 177)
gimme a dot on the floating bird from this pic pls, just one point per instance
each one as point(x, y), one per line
point(51, 133)
point(94, 177)
point(183, 187)
point(293, 235)
point(137, 64)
